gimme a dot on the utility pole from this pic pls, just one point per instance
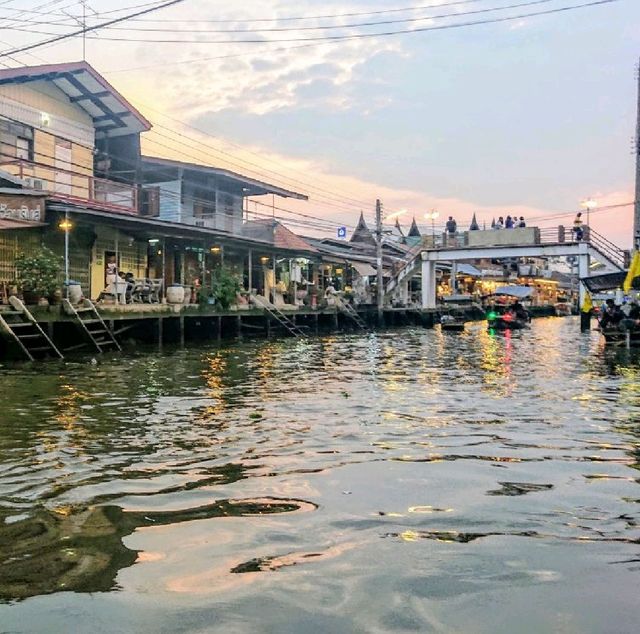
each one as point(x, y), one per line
point(636, 215)
point(84, 30)
point(380, 276)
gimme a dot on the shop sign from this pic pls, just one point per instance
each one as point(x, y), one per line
point(28, 208)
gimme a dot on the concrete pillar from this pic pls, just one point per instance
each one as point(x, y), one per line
point(583, 272)
point(453, 280)
point(405, 292)
point(428, 284)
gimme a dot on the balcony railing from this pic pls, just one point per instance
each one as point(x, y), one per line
point(73, 185)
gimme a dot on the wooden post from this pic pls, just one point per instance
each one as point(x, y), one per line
point(239, 327)
point(219, 334)
point(181, 323)
point(160, 332)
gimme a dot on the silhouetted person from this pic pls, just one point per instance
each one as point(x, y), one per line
point(452, 226)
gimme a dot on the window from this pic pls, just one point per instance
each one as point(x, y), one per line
point(204, 210)
point(24, 149)
point(16, 141)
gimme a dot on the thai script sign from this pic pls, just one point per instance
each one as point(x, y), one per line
point(28, 208)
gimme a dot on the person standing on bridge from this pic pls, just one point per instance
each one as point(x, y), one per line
point(577, 227)
point(452, 226)
point(522, 224)
point(509, 224)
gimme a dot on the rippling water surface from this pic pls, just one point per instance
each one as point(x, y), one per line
point(407, 481)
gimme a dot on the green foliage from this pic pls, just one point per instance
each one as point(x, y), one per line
point(226, 285)
point(38, 274)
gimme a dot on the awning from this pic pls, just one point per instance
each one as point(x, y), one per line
point(364, 269)
point(606, 282)
point(514, 291)
point(10, 223)
point(469, 269)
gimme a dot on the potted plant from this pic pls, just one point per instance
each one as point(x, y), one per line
point(225, 287)
point(37, 276)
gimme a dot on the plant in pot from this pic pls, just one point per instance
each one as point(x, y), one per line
point(225, 287)
point(37, 276)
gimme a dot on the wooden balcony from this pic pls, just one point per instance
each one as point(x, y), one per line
point(74, 186)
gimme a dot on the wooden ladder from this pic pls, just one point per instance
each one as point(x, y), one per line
point(350, 312)
point(92, 325)
point(278, 315)
point(21, 327)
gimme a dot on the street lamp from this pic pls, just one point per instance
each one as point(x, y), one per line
point(588, 204)
point(66, 226)
point(432, 215)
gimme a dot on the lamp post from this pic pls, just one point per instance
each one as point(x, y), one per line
point(589, 204)
point(66, 225)
point(432, 215)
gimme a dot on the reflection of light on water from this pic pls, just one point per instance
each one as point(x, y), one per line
point(409, 536)
point(213, 372)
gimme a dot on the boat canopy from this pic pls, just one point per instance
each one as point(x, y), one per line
point(514, 291)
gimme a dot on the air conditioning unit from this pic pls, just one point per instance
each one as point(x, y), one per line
point(36, 183)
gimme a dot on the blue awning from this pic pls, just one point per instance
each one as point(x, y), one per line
point(469, 269)
point(514, 291)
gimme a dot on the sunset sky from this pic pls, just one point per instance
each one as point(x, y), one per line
point(527, 115)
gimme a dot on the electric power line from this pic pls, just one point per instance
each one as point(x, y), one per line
point(84, 30)
point(336, 26)
point(343, 38)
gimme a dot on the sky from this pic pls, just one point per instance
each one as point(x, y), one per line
point(527, 116)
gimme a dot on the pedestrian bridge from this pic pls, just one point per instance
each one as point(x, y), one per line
point(508, 243)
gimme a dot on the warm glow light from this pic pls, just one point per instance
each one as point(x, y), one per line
point(395, 214)
point(432, 215)
point(66, 225)
point(215, 249)
point(589, 204)
point(264, 259)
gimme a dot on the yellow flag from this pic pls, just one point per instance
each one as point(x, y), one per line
point(587, 304)
point(634, 271)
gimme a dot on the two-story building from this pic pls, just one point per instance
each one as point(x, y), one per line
point(70, 146)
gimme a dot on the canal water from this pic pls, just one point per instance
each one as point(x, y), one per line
point(405, 481)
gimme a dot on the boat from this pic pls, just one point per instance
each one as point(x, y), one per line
point(563, 309)
point(451, 323)
point(502, 316)
point(619, 335)
point(506, 321)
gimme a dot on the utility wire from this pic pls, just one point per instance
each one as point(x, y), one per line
point(336, 26)
point(87, 29)
point(192, 139)
point(306, 28)
point(335, 197)
point(343, 38)
point(321, 17)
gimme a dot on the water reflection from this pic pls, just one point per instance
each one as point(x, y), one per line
point(410, 446)
point(75, 549)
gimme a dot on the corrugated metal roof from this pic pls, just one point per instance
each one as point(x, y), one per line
point(264, 188)
point(112, 114)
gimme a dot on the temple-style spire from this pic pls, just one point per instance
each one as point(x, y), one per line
point(474, 223)
point(414, 232)
point(362, 233)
